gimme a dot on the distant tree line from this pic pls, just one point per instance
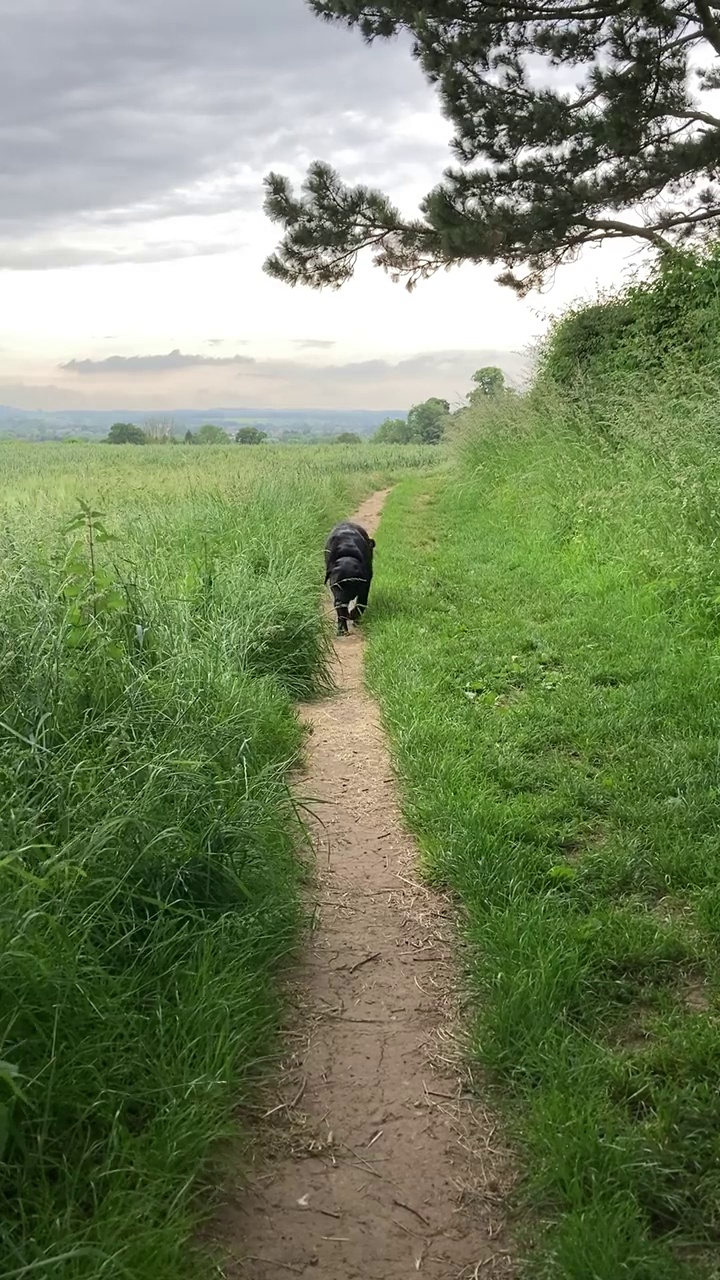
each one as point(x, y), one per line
point(210, 433)
point(426, 423)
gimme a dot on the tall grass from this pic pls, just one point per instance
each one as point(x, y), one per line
point(151, 645)
point(545, 647)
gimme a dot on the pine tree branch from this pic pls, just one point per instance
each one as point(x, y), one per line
point(702, 117)
point(710, 27)
point(557, 167)
point(690, 219)
point(627, 230)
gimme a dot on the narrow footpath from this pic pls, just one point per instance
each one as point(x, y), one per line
point(377, 1167)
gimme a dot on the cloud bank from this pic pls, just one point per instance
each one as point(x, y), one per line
point(169, 363)
point(177, 379)
point(122, 115)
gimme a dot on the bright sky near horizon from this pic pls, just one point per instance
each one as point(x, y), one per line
point(135, 139)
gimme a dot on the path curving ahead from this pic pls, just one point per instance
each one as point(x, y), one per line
point(376, 1169)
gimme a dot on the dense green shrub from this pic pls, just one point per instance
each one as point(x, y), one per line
point(665, 329)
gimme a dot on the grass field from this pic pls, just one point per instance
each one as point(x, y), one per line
point(151, 645)
point(545, 643)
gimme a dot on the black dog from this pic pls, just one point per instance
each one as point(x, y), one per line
point(349, 570)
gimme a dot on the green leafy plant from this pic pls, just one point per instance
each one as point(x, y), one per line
point(93, 598)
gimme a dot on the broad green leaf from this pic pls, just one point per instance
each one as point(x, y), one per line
point(76, 636)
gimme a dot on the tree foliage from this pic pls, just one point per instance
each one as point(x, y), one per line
point(489, 381)
point(250, 435)
point(209, 433)
point(425, 424)
point(126, 433)
point(348, 437)
point(575, 121)
point(393, 431)
point(427, 421)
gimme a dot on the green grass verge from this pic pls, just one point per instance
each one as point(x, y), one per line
point(549, 671)
point(149, 869)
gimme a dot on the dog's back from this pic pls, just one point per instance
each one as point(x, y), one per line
point(349, 541)
point(346, 569)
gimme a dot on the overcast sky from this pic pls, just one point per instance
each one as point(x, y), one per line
point(135, 135)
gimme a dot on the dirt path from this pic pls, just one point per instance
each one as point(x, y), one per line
point(381, 1170)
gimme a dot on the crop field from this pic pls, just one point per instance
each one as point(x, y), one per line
point(158, 617)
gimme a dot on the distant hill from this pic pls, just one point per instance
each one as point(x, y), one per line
point(280, 424)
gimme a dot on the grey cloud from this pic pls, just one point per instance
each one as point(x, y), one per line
point(313, 344)
point(23, 395)
point(172, 362)
point(116, 113)
point(311, 384)
point(451, 370)
point(370, 384)
point(34, 255)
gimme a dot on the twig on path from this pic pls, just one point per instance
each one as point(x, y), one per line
point(274, 1262)
point(436, 1093)
point(366, 960)
point(304, 1203)
point(289, 1106)
point(401, 1205)
point(364, 1163)
point(484, 1262)
point(378, 1022)
point(408, 1230)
